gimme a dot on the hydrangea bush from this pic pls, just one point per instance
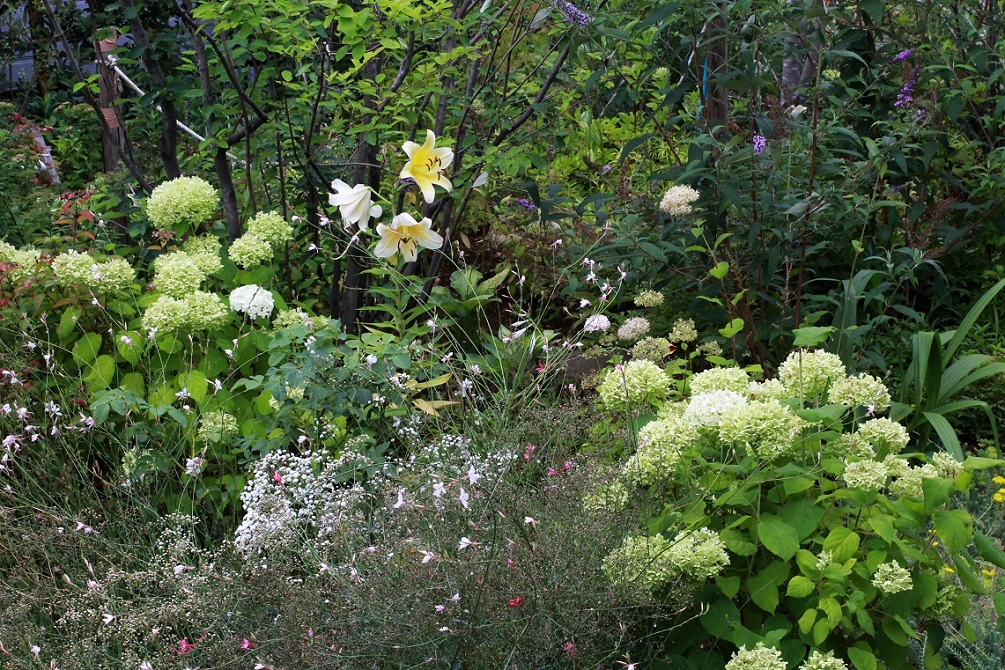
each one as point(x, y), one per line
point(810, 532)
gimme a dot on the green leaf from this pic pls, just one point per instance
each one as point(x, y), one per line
point(721, 619)
point(862, 659)
point(807, 620)
point(874, 8)
point(734, 327)
point(195, 383)
point(779, 538)
point(882, 524)
point(763, 587)
point(86, 349)
point(954, 529)
point(720, 270)
point(937, 493)
point(989, 550)
point(729, 586)
point(129, 352)
point(803, 515)
point(101, 374)
point(811, 336)
point(832, 608)
point(738, 543)
point(68, 323)
point(967, 576)
point(842, 543)
point(800, 587)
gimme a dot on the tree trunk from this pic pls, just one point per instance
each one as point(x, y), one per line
point(109, 91)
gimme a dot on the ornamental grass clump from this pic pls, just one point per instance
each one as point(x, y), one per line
point(182, 204)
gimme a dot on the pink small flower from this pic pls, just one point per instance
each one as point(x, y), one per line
point(185, 647)
point(516, 602)
point(552, 472)
point(246, 644)
point(277, 478)
point(569, 648)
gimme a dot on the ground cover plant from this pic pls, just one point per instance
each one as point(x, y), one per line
point(501, 335)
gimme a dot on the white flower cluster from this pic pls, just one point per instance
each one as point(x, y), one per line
point(758, 658)
point(892, 578)
point(677, 200)
point(252, 300)
point(633, 328)
point(292, 499)
point(809, 374)
point(720, 379)
point(597, 323)
point(708, 409)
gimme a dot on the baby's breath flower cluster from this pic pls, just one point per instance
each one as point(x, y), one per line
point(637, 385)
point(651, 349)
point(252, 300)
point(177, 274)
point(892, 578)
point(649, 298)
point(809, 374)
point(183, 202)
point(720, 379)
point(768, 429)
point(758, 658)
point(660, 445)
point(216, 427)
point(707, 410)
point(677, 200)
point(249, 251)
point(291, 500)
point(633, 328)
point(860, 391)
point(684, 331)
point(195, 312)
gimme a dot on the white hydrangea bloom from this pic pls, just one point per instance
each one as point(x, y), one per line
point(758, 658)
point(720, 379)
point(252, 300)
point(708, 409)
point(597, 323)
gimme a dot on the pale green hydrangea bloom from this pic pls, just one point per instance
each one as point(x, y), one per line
point(909, 484)
point(828, 661)
point(808, 374)
point(769, 389)
point(865, 475)
point(767, 429)
point(298, 317)
point(684, 331)
point(672, 410)
point(852, 445)
point(73, 267)
point(185, 202)
point(892, 578)
point(206, 311)
point(651, 349)
point(699, 554)
point(860, 391)
point(196, 311)
point(637, 385)
point(896, 466)
point(250, 251)
point(177, 274)
point(633, 328)
point(114, 275)
point(216, 427)
point(947, 465)
point(293, 393)
point(758, 658)
point(649, 298)
point(205, 251)
point(647, 564)
point(660, 445)
point(25, 259)
point(270, 227)
point(720, 379)
point(886, 435)
point(612, 498)
point(708, 409)
point(710, 348)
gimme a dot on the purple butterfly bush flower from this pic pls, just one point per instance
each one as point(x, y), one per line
point(573, 14)
point(605, 169)
point(760, 144)
point(903, 55)
point(526, 204)
point(906, 95)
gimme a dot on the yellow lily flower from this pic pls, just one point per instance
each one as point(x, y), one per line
point(426, 165)
point(404, 236)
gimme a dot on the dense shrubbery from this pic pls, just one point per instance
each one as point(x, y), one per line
point(657, 344)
